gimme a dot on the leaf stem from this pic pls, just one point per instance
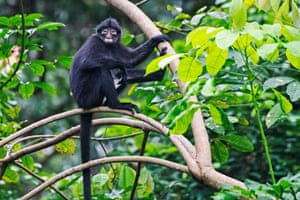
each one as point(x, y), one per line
point(251, 78)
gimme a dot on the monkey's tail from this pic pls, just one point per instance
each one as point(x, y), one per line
point(86, 124)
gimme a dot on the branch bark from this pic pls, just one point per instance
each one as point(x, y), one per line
point(200, 165)
point(101, 161)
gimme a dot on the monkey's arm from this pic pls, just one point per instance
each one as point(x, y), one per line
point(140, 53)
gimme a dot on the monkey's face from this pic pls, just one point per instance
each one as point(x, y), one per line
point(109, 35)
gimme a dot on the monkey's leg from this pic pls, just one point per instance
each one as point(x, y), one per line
point(109, 91)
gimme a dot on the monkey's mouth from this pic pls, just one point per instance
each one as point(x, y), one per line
point(108, 40)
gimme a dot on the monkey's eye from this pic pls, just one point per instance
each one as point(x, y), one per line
point(104, 31)
point(113, 32)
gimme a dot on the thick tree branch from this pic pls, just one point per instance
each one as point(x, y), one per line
point(67, 133)
point(78, 111)
point(200, 166)
point(102, 161)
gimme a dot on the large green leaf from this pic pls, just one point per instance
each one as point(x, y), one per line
point(49, 26)
point(189, 69)
point(127, 176)
point(239, 143)
point(285, 104)
point(273, 115)
point(293, 90)
point(293, 47)
point(269, 51)
point(238, 13)
point(46, 87)
point(294, 60)
point(290, 33)
point(219, 151)
point(215, 114)
point(199, 37)
point(161, 62)
point(182, 121)
point(277, 81)
point(100, 179)
point(226, 38)
point(67, 147)
point(26, 90)
point(10, 176)
point(28, 162)
point(216, 58)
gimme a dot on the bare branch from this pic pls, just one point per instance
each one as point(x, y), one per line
point(67, 133)
point(27, 129)
point(102, 161)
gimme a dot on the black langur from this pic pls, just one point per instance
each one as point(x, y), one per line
point(93, 82)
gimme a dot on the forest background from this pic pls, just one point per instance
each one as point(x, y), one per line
point(241, 59)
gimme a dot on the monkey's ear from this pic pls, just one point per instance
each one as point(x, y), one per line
point(163, 51)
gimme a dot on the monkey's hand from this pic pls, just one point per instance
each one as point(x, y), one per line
point(163, 51)
point(160, 38)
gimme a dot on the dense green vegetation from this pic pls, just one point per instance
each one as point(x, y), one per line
point(241, 59)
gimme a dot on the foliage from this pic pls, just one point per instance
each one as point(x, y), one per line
point(238, 62)
point(286, 188)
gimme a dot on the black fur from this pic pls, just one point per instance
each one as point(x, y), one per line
point(92, 83)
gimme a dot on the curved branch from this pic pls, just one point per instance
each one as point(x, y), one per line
point(67, 133)
point(102, 161)
point(160, 128)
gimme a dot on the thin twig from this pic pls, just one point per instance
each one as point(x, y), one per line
point(40, 179)
point(139, 165)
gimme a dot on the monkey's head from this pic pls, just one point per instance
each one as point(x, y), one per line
point(109, 31)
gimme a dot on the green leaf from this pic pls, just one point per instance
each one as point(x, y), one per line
point(46, 87)
point(65, 61)
point(269, 51)
point(67, 147)
point(285, 104)
point(182, 121)
point(238, 13)
point(275, 5)
point(28, 162)
point(127, 176)
point(160, 62)
point(226, 38)
point(199, 37)
point(100, 179)
point(209, 88)
point(293, 47)
point(273, 115)
point(4, 21)
point(13, 112)
point(276, 82)
point(290, 33)
point(219, 151)
point(26, 90)
point(215, 114)
point(37, 68)
point(237, 142)
point(250, 51)
point(50, 26)
point(10, 176)
point(216, 58)
point(294, 60)
point(293, 90)
point(254, 29)
point(189, 69)
point(127, 39)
